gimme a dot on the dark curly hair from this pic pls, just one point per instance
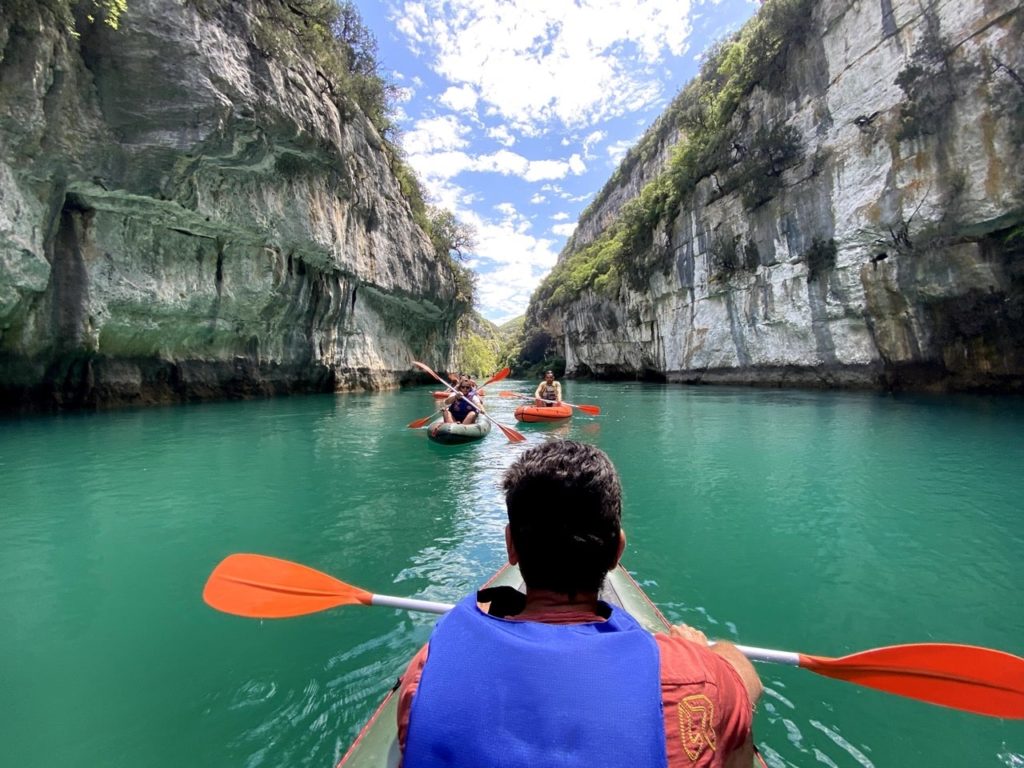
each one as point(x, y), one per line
point(564, 506)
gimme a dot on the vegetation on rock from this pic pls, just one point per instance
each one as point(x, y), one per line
point(714, 139)
point(106, 11)
point(477, 347)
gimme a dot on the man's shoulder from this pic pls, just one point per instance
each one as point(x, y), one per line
point(683, 661)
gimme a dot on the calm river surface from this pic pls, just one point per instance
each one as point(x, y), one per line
point(815, 522)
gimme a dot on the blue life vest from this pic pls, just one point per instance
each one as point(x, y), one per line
point(496, 693)
point(461, 409)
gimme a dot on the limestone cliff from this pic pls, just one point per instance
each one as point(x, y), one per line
point(857, 221)
point(186, 214)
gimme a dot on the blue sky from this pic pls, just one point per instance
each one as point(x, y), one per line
point(514, 113)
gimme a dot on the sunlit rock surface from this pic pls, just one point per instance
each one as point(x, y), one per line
point(921, 194)
point(182, 217)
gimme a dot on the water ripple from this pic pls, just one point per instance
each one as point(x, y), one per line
point(842, 743)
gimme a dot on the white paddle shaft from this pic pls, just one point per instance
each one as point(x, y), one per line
point(428, 606)
point(410, 604)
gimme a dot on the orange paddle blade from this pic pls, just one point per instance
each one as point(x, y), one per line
point(980, 680)
point(511, 434)
point(427, 369)
point(593, 410)
point(264, 587)
point(420, 422)
point(502, 374)
point(507, 394)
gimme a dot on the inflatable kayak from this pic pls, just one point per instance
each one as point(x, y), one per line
point(449, 434)
point(376, 746)
point(544, 413)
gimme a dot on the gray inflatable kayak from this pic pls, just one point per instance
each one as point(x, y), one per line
point(450, 434)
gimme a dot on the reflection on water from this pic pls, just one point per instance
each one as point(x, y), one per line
point(816, 522)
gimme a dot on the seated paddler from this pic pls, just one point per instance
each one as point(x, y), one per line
point(462, 408)
point(557, 677)
point(548, 392)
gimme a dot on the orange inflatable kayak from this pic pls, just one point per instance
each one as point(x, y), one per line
point(534, 414)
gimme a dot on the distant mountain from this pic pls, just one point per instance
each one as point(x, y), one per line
point(513, 327)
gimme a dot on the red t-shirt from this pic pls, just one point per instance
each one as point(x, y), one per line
point(706, 707)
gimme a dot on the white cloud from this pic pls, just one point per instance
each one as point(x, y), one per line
point(537, 62)
point(503, 162)
point(618, 150)
point(459, 99)
point(590, 141)
point(562, 216)
point(435, 134)
point(564, 229)
point(413, 19)
point(509, 260)
point(434, 151)
point(540, 170)
point(440, 166)
point(538, 198)
point(502, 135)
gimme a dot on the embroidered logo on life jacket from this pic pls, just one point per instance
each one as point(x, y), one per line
point(696, 724)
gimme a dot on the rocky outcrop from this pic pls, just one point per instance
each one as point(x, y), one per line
point(878, 243)
point(184, 215)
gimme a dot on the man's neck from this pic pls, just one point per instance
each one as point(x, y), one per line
point(547, 601)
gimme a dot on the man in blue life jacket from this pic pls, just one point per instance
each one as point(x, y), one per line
point(462, 408)
point(557, 677)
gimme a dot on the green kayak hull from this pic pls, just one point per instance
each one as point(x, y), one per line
point(377, 744)
point(452, 434)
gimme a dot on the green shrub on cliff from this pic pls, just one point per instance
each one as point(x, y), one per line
point(590, 268)
point(108, 11)
point(63, 11)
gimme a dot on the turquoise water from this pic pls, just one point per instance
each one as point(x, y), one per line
point(815, 522)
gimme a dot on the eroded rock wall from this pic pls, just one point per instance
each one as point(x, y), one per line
point(891, 252)
point(184, 215)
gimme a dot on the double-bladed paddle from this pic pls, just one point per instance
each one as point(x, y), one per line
point(966, 677)
point(593, 410)
point(503, 373)
point(511, 434)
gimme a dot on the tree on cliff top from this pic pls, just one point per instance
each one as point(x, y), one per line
point(449, 235)
point(452, 240)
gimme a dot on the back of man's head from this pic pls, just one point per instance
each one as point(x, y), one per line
point(564, 511)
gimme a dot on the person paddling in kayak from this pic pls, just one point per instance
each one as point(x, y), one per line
point(462, 410)
point(549, 391)
point(557, 676)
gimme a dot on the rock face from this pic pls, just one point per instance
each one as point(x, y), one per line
point(889, 253)
point(184, 216)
